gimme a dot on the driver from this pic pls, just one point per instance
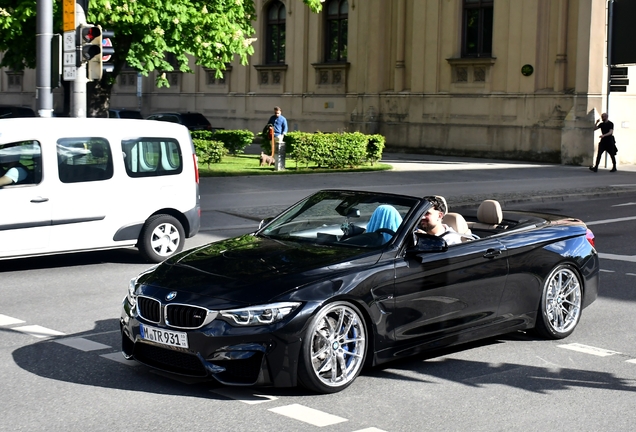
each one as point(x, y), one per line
point(431, 222)
point(12, 173)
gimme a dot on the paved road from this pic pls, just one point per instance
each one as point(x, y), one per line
point(61, 369)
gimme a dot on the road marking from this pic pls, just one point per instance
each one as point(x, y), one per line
point(82, 344)
point(588, 349)
point(7, 320)
point(371, 429)
point(628, 258)
point(631, 361)
point(308, 415)
point(607, 221)
point(244, 396)
point(624, 204)
point(607, 271)
point(119, 358)
point(630, 274)
point(38, 331)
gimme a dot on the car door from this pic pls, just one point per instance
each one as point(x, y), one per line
point(25, 208)
point(441, 293)
point(86, 194)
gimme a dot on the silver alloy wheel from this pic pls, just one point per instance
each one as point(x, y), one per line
point(338, 343)
point(562, 300)
point(165, 239)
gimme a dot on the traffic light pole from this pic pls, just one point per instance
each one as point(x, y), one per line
point(78, 86)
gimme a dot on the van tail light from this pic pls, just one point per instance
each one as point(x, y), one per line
point(589, 235)
point(196, 168)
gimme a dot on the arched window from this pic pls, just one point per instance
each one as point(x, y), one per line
point(337, 20)
point(275, 52)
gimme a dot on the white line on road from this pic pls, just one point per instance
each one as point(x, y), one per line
point(7, 320)
point(82, 344)
point(244, 396)
point(624, 204)
point(308, 415)
point(606, 221)
point(371, 429)
point(588, 349)
point(607, 271)
point(38, 331)
point(119, 358)
point(631, 361)
point(614, 257)
point(630, 274)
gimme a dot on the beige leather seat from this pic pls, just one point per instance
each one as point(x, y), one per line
point(489, 215)
point(458, 223)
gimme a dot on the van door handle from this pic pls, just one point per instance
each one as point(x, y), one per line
point(39, 200)
point(492, 253)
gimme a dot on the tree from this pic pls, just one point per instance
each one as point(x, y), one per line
point(213, 32)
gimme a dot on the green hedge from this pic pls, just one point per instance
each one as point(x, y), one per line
point(234, 141)
point(208, 151)
point(326, 150)
point(332, 150)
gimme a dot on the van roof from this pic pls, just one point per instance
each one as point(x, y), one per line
point(37, 127)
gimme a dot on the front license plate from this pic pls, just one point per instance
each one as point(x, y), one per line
point(163, 336)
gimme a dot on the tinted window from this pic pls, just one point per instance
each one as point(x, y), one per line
point(11, 111)
point(130, 114)
point(84, 159)
point(194, 119)
point(21, 162)
point(147, 157)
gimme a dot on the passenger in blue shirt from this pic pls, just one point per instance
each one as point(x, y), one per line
point(280, 124)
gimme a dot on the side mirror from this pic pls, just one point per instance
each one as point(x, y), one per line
point(265, 222)
point(427, 243)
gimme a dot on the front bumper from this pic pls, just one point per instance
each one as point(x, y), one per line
point(263, 355)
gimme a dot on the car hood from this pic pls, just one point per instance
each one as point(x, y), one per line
point(252, 269)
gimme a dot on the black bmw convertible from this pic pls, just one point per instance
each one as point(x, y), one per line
point(343, 280)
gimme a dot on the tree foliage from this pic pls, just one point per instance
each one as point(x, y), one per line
point(213, 32)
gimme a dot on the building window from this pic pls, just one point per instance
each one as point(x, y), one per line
point(337, 21)
point(477, 40)
point(275, 33)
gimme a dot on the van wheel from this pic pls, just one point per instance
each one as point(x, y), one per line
point(161, 237)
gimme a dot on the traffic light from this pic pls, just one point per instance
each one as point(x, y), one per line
point(94, 47)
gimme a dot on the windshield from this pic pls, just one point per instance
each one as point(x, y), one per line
point(344, 218)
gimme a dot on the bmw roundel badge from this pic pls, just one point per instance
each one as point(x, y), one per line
point(171, 295)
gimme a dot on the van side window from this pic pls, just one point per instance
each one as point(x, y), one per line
point(84, 159)
point(20, 163)
point(148, 157)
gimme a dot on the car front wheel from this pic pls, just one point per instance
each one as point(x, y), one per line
point(560, 308)
point(334, 348)
point(161, 237)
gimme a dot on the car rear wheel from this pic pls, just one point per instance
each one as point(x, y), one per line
point(560, 308)
point(334, 348)
point(161, 237)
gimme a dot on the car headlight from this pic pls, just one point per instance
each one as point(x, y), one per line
point(260, 315)
point(131, 297)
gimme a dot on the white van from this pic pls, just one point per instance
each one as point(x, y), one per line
point(72, 184)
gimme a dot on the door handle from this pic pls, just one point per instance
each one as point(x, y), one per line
point(492, 253)
point(39, 200)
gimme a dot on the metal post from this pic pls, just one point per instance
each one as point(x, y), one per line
point(280, 156)
point(78, 98)
point(610, 18)
point(43, 35)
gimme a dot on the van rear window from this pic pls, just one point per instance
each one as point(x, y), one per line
point(148, 157)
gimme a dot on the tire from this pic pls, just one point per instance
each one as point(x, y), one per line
point(334, 349)
point(561, 303)
point(161, 237)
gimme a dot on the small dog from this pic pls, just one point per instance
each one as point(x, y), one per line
point(266, 160)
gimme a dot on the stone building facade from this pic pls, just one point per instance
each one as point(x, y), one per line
point(488, 78)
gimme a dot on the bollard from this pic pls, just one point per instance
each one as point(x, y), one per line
point(280, 156)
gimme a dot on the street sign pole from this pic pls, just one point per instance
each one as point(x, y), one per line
point(43, 35)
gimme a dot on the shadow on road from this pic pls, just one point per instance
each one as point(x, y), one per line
point(56, 361)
